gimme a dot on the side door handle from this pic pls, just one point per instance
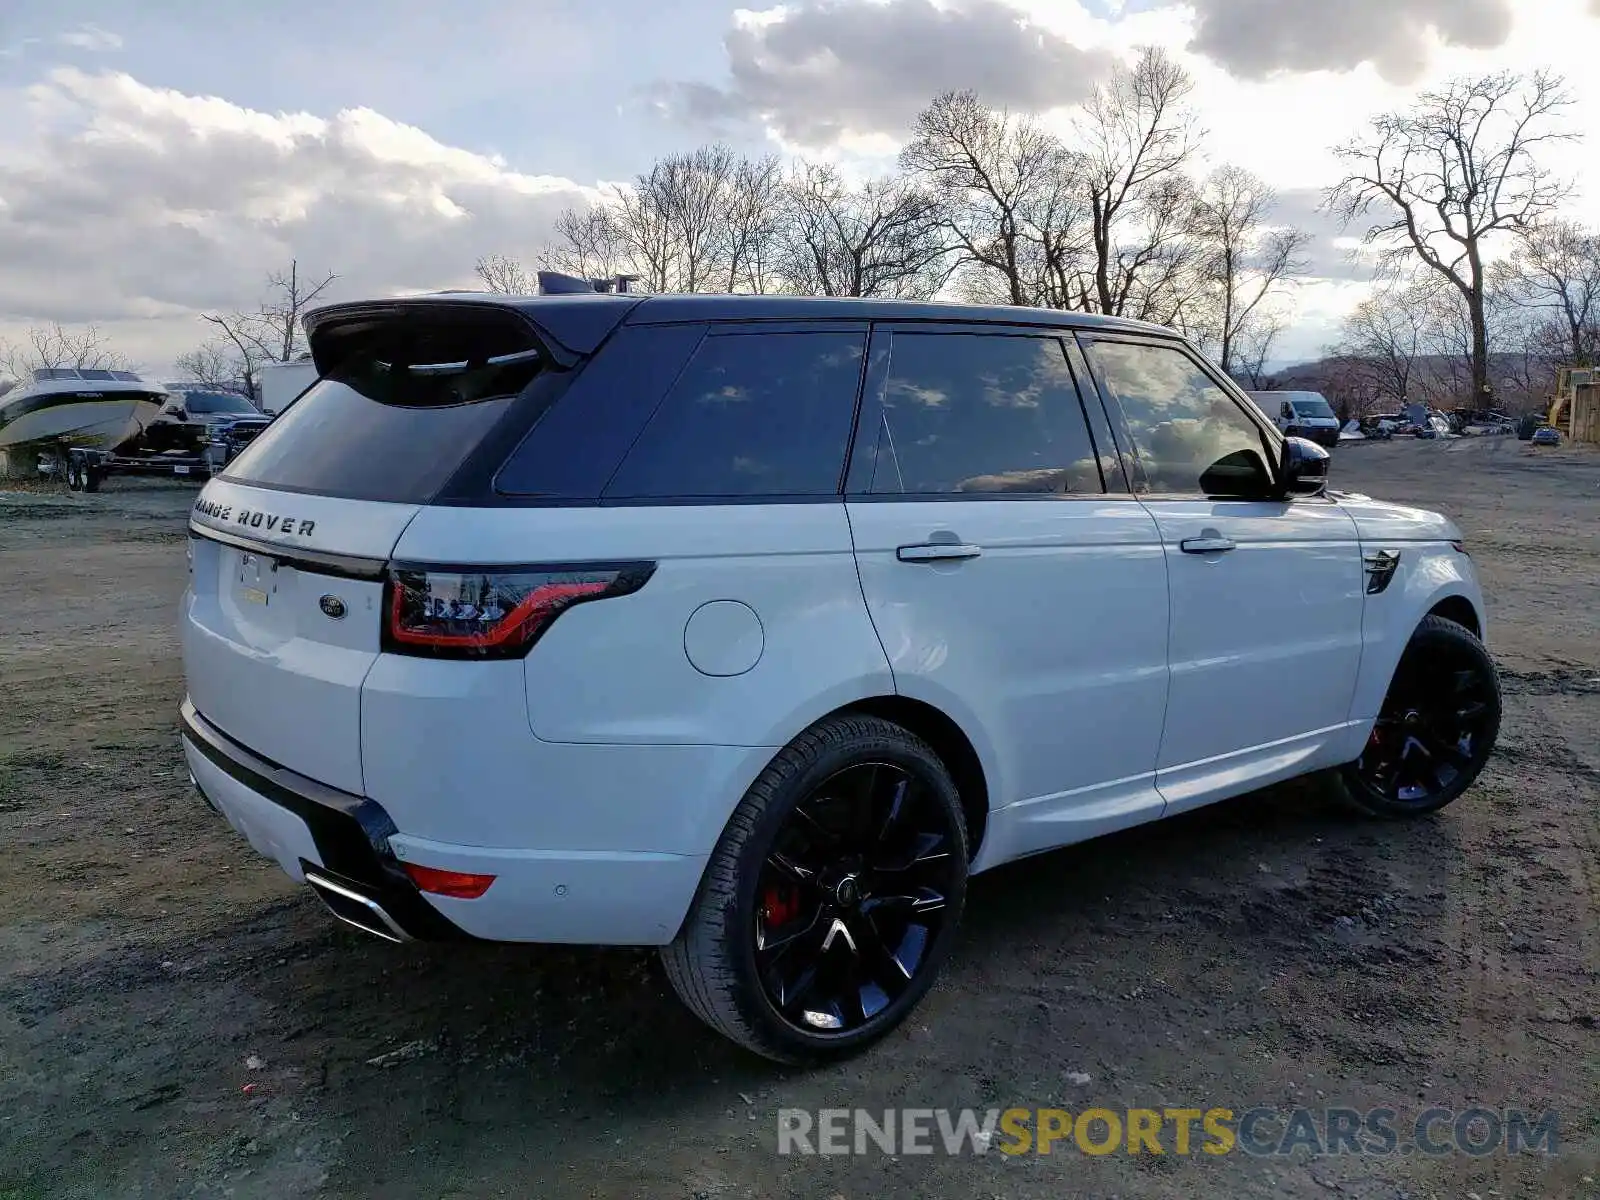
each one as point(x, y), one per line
point(1206, 545)
point(937, 552)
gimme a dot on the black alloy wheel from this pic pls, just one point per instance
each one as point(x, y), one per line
point(1436, 728)
point(852, 897)
point(832, 897)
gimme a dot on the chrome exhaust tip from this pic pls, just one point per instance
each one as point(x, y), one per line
point(351, 907)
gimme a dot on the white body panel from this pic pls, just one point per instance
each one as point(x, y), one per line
point(1265, 646)
point(791, 565)
point(1056, 630)
point(264, 664)
point(1431, 571)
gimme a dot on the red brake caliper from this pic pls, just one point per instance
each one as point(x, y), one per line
point(779, 905)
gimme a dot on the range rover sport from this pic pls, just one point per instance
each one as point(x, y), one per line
point(751, 627)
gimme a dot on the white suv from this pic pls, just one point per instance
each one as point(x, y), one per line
point(750, 627)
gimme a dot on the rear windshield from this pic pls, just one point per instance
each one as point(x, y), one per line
point(397, 414)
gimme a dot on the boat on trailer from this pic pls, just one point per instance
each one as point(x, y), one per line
point(79, 405)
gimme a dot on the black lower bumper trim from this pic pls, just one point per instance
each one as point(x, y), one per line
point(351, 832)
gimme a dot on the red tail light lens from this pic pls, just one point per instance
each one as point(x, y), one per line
point(460, 612)
point(463, 885)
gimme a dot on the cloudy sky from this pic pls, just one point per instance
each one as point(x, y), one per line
point(158, 157)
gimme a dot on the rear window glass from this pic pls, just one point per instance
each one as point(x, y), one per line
point(398, 412)
point(753, 414)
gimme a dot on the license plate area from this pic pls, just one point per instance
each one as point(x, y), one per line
point(260, 596)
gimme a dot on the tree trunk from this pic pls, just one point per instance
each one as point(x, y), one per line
point(1482, 397)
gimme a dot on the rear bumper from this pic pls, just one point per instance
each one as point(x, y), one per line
point(350, 851)
point(304, 825)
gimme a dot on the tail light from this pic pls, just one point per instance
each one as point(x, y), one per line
point(493, 612)
point(461, 885)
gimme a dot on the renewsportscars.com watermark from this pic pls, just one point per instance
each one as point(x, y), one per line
point(1259, 1132)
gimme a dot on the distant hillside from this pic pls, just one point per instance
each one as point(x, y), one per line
point(1355, 386)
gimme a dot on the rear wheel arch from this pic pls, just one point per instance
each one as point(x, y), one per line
point(943, 733)
point(950, 742)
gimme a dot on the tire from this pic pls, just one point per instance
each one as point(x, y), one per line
point(716, 962)
point(1445, 685)
point(90, 477)
point(74, 474)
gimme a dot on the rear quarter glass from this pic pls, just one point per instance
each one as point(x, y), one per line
point(399, 412)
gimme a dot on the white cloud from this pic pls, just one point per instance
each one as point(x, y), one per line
point(138, 207)
point(91, 37)
point(1256, 38)
point(821, 70)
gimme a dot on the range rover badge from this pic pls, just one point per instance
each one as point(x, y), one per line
point(332, 606)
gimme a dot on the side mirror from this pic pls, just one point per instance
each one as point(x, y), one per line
point(1303, 468)
point(175, 411)
point(1242, 475)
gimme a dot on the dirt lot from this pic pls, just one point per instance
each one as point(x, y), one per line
point(177, 1019)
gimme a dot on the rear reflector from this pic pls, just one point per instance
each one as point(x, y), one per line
point(493, 612)
point(460, 884)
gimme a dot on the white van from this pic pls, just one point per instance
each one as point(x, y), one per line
point(1301, 414)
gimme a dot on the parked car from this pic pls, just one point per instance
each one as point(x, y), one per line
point(751, 627)
point(209, 426)
point(1546, 435)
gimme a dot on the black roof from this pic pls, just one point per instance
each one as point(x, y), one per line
point(580, 322)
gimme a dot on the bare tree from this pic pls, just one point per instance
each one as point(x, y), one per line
point(674, 219)
point(503, 274)
point(884, 238)
point(1244, 263)
point(212, 364)
point(1253, 346)
point(1385, 339)
point(273, 332)
point(753, 224)
point(1138, 133)
point(1555, 274)
point(1440, 181)
point(55, 345)
point(1009, 198)
point(701, 221)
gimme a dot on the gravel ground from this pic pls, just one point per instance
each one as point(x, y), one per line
point(177, 1019)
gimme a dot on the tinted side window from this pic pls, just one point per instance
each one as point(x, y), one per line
point(1183, 425)
point(982, 413)
point(577, 445)
point(753, 414)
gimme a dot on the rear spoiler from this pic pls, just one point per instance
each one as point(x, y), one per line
point(568, 327)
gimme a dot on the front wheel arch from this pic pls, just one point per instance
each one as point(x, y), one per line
point(1420, 723)
point(1461, 611)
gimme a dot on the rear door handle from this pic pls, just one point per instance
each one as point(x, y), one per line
point(937, 552)
point(1206, 545)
